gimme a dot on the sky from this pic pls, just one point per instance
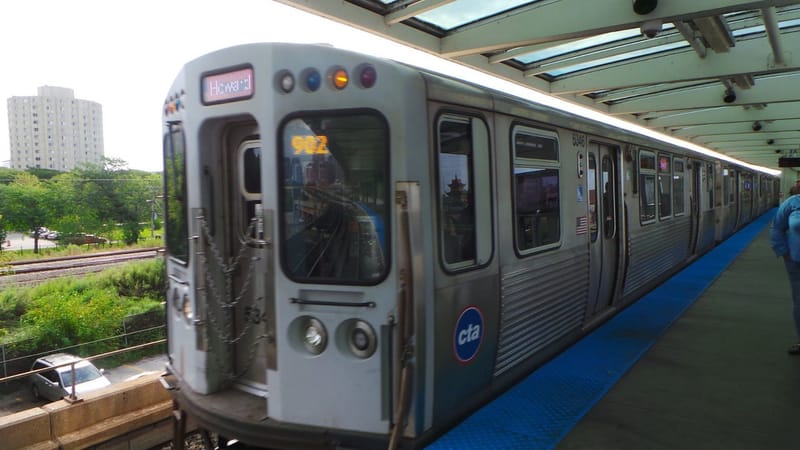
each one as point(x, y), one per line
point(125, 56)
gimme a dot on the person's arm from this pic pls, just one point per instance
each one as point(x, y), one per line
point(777, 232)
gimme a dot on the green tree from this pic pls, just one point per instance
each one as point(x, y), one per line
point(3, 233)
point(26, 205)
point(119, 196)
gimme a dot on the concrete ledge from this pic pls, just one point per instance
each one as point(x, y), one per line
point(115, 426)
point(108, 413)
point(135, 414)
point(28, 429)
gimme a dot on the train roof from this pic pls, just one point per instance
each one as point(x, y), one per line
point(716, 74)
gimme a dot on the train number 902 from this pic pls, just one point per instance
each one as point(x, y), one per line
point(310, 145)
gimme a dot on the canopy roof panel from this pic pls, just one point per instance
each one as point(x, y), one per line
point(721, 74)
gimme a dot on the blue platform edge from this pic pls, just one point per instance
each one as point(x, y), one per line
point(541, 410)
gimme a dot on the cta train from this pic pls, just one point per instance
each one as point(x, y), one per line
point(361, 253)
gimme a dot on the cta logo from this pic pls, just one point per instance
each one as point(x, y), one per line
point(468, 334)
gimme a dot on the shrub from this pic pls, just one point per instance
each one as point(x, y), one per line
point(143, 279)
point(60, 319)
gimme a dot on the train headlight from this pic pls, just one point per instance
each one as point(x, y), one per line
point(315, 337)
point(362, 339)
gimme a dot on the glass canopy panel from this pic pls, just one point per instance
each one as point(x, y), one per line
point(462, 12)
point(617, 58)
point(574, 46)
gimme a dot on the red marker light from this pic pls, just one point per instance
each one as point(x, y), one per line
point(368, 76)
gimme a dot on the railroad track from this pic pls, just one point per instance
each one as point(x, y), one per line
point(22, 273)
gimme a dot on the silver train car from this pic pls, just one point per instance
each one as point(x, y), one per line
point(360, 253)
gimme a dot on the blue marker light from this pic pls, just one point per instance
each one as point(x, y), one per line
point(313, 80)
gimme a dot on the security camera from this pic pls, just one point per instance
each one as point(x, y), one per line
point(756, 126)
point(643, 7)
point(651, 28)
point(729, 96)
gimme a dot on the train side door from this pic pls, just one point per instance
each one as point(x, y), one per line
point(604, 251)
point(695, 193)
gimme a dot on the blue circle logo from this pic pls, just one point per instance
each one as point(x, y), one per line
point(468, 334)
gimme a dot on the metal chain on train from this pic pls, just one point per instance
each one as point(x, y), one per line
point(224, 299)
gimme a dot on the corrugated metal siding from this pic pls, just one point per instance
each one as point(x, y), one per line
point(540, 304)
point(654, 250)
point(706, 235)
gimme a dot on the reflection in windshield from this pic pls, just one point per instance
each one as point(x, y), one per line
point(83, 374)
point(334, 198)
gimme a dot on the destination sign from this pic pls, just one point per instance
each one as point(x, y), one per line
point(228, 86)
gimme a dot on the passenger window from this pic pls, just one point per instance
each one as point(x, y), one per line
point(464, 192)
point(647, 182)
point(710, 185)
point(678, 177)
point(726, 185)
point(664, 186)
point(537, 211)
point(250, 184)
point(608, 196)
point(591, 179)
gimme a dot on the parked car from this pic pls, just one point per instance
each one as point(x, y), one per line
point(41, 230)
point(56, 384)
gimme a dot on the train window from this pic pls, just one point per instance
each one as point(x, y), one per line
point(678, 178)
point(334, 198)
point(464, 192)
point(250, 168)
point(608, 196)
point(732, 186)
point(710, 185)
point(536, 189)
point(591, 180)
point(250, 184)
point(664, 186)
point(647, 183)
point(175, 224)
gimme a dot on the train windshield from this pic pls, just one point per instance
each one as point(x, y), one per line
point(335, 206)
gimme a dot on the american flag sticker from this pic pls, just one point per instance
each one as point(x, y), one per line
point(581, 225)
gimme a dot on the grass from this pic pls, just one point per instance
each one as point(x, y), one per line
point(8, 256)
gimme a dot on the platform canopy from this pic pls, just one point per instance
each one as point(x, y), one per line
point(722, 74)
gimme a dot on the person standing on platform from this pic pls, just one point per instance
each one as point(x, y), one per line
point(794, 190)
point(785, 239)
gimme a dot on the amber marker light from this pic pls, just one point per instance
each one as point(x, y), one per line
point(340, 78)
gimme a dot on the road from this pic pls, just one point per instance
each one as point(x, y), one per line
point(16, 396)
point(19, 241)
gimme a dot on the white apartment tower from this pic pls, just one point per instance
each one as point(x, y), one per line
point(54, 130)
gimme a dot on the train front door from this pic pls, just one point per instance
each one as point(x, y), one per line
point(603, 203)
point(244, 312)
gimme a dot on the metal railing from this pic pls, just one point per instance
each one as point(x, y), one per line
point(121, 341)
point(73, 398)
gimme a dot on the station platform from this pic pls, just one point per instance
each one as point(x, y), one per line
point(698, 363)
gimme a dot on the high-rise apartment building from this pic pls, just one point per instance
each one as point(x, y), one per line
point(54, 130)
